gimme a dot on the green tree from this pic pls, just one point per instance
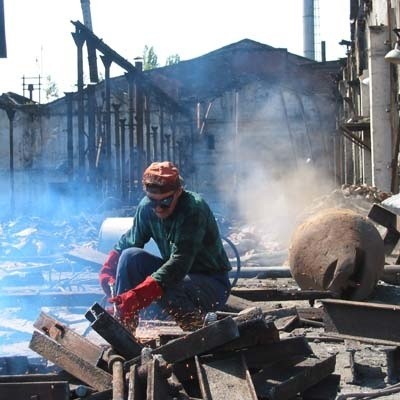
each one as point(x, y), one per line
point(51, 89)
point(150, 59)
point(173, 59)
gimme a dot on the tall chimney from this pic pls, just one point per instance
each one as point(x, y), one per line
point(308, 29)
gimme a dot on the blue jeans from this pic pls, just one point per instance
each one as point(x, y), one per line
point(195, 295)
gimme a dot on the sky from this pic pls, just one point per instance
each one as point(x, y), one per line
point(39, 41)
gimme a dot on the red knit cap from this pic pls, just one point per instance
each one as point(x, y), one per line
point(161, 177)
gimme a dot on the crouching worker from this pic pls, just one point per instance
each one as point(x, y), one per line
point(191, 276)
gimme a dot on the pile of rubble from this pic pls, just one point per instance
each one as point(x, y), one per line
point(241, 354)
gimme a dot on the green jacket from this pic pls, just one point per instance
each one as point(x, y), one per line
point(189, 239)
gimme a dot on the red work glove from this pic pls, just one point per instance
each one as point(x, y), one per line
point(130, 302)
point(108, 271)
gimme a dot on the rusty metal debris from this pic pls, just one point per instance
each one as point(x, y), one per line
point(234, 351)
point(362, 321)
point(337, 250)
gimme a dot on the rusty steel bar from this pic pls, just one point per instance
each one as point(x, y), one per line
point(70, 362)
point(280, 294)
point(362, 320)
point(283, 382)
point(116, 364)
point(197, 342)
point(113, 332)
point(67, 337)
point(136, 390)
point(234, 374)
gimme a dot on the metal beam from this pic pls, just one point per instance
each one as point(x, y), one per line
point(69, 338)
point(70, 362)
point(113, 332)
point(283, 383)
point(216, 376)
point(359, 320)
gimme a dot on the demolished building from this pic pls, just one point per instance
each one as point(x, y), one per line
point(244, 107)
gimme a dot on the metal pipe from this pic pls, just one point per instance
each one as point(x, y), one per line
point(116, 363)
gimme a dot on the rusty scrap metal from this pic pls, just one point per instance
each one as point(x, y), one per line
point(157, 385)
point(197, 342)
point(392, 354)
point(361, 320)
point(136, 390)
point(259, 356)
point(35, 390)
point(280, 294)
point(337, 250)
point(252, 332)
point(67, 337)
point(214, 378)
point(113, 332)
point(116, 364)
point(70, 362)
point(386, 218)
point(277, 383)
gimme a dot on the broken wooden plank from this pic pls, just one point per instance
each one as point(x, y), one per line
point(35, 390)
point(136, 391)
point(70, 362)
point(217, 376)
point(277, 383)
point(67, 337)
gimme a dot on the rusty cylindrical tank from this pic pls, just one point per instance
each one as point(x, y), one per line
point(337, 250)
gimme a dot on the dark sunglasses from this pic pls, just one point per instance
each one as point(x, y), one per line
point(163, 203)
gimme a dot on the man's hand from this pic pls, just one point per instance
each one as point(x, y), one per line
point(130, 302)
point(108, 271)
